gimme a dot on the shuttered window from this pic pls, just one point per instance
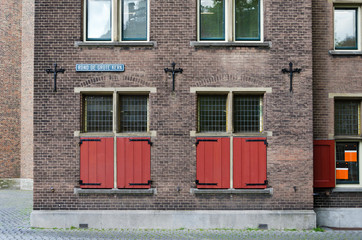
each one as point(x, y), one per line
point(96, 163)
point(250, 163)
point(213, 163)
point(133, 162)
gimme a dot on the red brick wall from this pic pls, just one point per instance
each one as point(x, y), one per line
point(287, 25)
point(10, 80)
point(331, 74)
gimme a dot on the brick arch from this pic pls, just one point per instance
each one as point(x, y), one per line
point(227, 80)
point(111, 80)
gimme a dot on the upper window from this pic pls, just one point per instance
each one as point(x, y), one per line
point(346, 28)
point(246, 114)
point(230, 20)
point(98, 113)
point(102, 23)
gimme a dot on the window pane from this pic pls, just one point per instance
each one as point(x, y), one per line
point(347, 163)
point(134, 113)
point(346, 117)
point(98, 113)
point(99, 23)
point(212, 113)
point(212, 20)
point(247, 113)
point(345, 28)
point(247, 21)
point(134, 20)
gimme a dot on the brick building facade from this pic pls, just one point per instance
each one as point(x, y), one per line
point(16, 71)
point(232, 104)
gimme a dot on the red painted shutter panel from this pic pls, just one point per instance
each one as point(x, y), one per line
point(249, 162)
point(133, 162)
point(324, 164)
point(213, 162)
point(97, 162)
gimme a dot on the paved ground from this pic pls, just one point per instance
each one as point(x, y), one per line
point(15, 208)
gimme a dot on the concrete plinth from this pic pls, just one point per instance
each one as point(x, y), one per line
point(303, 219)
point(339, 217)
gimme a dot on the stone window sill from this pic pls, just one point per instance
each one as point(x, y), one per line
point(266, 44)
point(150, 191)
point(115, 44)
point(344, 53)
point(266, 191)
point(346, 190)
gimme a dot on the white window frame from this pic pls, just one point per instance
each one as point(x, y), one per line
point(346, 138)
point(230, 23)
point(116, 17)
point(359, 35)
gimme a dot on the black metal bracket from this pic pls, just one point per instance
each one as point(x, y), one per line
point(142, 140)
point(291, 71)
point(88, 184)
point(258, 140)
point(55, 72)
point(198, 183)
point(173, 71)
point(88, 140)
point(141, 184)
point(258, 184)
point(204, 140)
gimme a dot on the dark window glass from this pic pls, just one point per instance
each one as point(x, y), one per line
point(134, 14)
point(99, 20)
point(247, 20)
point(212, 113)
point(347, 162)
point(98, 113)
point(346, 117)
point(212, 17)
point(247, 112)
point(133, 113)
point(345, 28)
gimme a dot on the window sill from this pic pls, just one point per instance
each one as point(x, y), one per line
point(346, 190)
point(115, 44)
point(225, 134)
point(347, 137)
point(344, 53)
point(149, 191)
point(266, 191)
point(267, 44)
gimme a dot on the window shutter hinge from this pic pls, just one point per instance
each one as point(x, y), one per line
point(88, 140)
point(258, 140)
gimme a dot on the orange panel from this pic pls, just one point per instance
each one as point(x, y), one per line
point(350, 156)
point(342, 173)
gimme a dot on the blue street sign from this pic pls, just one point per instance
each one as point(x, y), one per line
point(99, 67)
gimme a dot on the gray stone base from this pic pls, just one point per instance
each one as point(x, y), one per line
point(16, 183)
point(303, 219)
point(339, 217)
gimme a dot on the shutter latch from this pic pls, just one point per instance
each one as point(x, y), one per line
point(141, 184)
point(198, 183)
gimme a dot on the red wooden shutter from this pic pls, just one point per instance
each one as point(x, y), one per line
point(96, 163)
point(133, 162)
point(324, 165)
point(249, 163)
point(213, 162)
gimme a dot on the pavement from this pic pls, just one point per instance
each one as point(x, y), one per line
point(16, 206)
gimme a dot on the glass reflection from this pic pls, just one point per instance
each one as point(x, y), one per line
point(134, 20)
point(212, 20)
point(99, 19)
point(247, 20)
point(345, 28)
